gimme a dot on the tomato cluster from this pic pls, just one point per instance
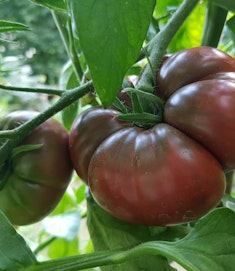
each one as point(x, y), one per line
point(173, 172)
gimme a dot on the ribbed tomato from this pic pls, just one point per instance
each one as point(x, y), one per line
point(172, 172)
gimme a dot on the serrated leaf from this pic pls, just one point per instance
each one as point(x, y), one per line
point(8, 26)
point(52, 4)
point(226, 4)
point(14, 253)
point(111, 33)
point(210, 246)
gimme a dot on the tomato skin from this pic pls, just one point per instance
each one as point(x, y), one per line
point(86, 135)
point(221, 75)
point(205, 111)
point(191, 65)
point(155, 177)
point(38, 178)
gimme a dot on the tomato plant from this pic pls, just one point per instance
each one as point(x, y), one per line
point(35, 180)
point(147, 99)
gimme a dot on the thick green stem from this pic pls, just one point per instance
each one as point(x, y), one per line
point(214, 24)
point(158, 45)
point(23, 130)
point(82, 262)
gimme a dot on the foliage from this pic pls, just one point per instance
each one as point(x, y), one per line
point(105, 41)
point(41, 47)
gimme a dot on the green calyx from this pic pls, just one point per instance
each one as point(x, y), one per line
point(146, 108)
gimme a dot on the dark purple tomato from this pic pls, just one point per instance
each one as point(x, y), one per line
point(191, 65)
point(158, 176)
point(87, 132)
point(36, 180)
point(155, 177)
point(205, 111)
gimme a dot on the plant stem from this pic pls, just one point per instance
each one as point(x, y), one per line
point(50, 91)
point(23, 130)
point(81, 262)
point(214, 23)
point(158, 45)
point(44, 245)
point(68, 40)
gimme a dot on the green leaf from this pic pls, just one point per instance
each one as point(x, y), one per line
point(68, 80)
point(7, 26)
point(62, 248)
point(52, 4)
point(210, 246)
point(14, 253)
point(111, 33)
point(226, 4)
point(109, 233)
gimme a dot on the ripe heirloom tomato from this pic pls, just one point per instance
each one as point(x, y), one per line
point(157, 176)
point(37, 179)
point(173, 172)
point(205, 110)
point(87, 128)
point(191, 65)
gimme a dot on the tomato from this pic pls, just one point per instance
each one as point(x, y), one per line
point(157, 176)
point(205, 111)
point(87, 128)
point(36, 180)
point(173, 172)
point(191, 65)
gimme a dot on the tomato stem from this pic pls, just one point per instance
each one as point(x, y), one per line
point(97, 259)
point(50, 91)
point(158, 45)
point(214, 23)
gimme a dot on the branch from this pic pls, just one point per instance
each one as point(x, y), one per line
point(158, 45)
point(50, 91)
point(18, 134)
